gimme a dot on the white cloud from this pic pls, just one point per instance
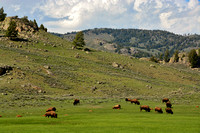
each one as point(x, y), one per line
point(15, 7)
point(177, 16)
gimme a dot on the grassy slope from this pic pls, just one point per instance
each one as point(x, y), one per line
point(77, 76)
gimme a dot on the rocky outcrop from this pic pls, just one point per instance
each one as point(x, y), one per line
point(24, 26)
point(183, 59)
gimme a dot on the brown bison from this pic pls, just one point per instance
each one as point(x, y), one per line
point(145, 107)
point(51, 109)
point(127, 99)
point(117, 107)
point(164, 100)
point(168, 104)
point(135, 101)
point(169, 110)
point(51, 113)
point(159, 110)
point(76, 101)
point(0, 115)
point(132, 101)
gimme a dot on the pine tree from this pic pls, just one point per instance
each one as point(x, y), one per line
point(166, 56)
point(11, 31)
point(2, 14)
point(79, 40)
point(193, 58)
point(176, 58)
point(43, 28)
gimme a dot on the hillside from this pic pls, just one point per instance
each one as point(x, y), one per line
point(45, 69)
point(136, 42)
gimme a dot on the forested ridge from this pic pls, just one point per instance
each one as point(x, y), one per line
point(145, 42)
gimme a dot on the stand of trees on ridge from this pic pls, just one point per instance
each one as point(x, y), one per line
point(11, 30)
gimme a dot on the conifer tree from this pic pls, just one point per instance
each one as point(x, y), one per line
point(2, 14)
point(166, 56)
point(79, 40)
point(194, 59)
point(11, 31)
point(176, 58)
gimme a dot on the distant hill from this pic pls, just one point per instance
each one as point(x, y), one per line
point(136, 42)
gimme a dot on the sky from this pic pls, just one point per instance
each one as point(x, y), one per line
point(62, 16)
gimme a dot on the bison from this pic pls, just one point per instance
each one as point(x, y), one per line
point(127, 99)
point(145, 107)
point(169, 110)
point(51, 109)
point(135, 101)
point(76, 101)
point(117, 107)
point(168, 104)
point(159, 110)
point(51, 113)
point(164, 100)
point(0, 115)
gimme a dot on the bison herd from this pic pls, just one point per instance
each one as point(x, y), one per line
point(51, 112)
point(168, 108)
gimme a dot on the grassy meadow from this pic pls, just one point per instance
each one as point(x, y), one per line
point(100, 117)
point(31, 87)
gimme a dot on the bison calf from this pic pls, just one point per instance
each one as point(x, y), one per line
point(145, 107)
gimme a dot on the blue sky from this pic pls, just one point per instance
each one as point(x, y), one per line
point(178, 16)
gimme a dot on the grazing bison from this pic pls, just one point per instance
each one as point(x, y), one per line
point(169, 110)
point(135, 101)
point(117, 107)
point(51, 109)
point(145, 107)
point(76, 101)
point(159, 110)
point(0, 115)
point(165, 100)
point(168, 104)
point(127, 99)
point(51, 113)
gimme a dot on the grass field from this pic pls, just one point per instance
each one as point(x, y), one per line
point(101, 118)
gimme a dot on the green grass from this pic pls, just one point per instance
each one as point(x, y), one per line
point(75, 119)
